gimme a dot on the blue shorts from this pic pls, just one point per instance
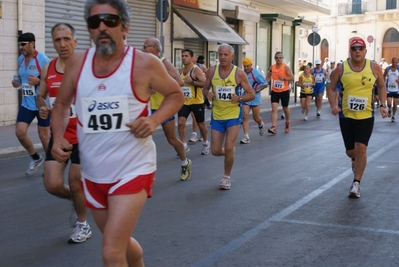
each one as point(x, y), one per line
point(167, 120)
point(318, 91)
point(222, 125)
point(27, 116)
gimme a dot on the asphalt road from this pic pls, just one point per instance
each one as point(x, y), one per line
point(288, 206)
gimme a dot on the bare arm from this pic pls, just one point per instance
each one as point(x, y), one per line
point(269, 76)
point(290, 76)
point(41, 103)
point(173, 72)
point(199, 78)
point(335, 76)
point(207, 85)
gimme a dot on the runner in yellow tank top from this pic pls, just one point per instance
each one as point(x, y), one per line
point(194, 79)
point(153, 46)
point(306, 82)
point(357, 76)
point(224, 78)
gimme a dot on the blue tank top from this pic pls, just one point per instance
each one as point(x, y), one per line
point(34, 67)
point(319, 79)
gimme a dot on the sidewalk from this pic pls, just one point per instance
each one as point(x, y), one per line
point(10, 146)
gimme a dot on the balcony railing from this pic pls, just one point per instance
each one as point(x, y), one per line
point(352, 8)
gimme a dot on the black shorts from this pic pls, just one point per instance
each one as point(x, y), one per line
point(356, 131)
point(302, 95)
point(393, 95)
point(284, 96)
point(74, 156)
point(197, 109)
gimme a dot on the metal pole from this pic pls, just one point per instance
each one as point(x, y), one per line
point(314, 43)
point(161, 30)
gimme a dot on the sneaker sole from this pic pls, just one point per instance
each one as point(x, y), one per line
point(224, 188)
point(353, 195)
point(241, 142)
point(270, 131)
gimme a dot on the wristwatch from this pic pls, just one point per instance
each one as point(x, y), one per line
point(383, 106)
point(240, 99)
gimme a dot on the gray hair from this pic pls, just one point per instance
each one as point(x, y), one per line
point(228, 46)
point(120, 5)
point(69, 26)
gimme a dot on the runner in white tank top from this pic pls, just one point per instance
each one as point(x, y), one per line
point(111, 87)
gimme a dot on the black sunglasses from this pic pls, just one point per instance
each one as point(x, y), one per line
point(110, 20)
point(22, 44)
point(355, 48)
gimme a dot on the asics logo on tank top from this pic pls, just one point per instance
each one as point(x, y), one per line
point(103, 105)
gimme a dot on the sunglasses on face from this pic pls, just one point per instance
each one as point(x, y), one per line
point(355, 48)
point(110, 20)
point(145, 46)
point(278, 57)
point(22, 44)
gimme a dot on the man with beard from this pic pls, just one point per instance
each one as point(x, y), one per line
point(110, 86)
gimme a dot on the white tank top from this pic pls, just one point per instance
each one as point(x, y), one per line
point(107, 149)
point(391, 84)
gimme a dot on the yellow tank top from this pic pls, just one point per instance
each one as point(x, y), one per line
point(224, 88)
point(357, 92)
point(192, 94)
point(307, 82)
point(156, 99)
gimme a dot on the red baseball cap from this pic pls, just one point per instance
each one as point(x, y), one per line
point(357, 41)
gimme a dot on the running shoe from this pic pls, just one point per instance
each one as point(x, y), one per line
point(245, 140)
point(305, 118)
point(282, 116)
point(80, 233)
point(389, 113)
point(33, 165)
point(318, 113)
point(73, 218)
point(272, 130)
point(393, 119)
point(287, 126)
point(205, 148)
point(354, 191)
point(225, 184)
point(193, 138)
point(185, 173)
point(262, 130)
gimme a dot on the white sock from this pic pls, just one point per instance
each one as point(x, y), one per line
point(83, 223)
point(246, 135)
point(228, 177)
point(185, 145)
point(184, 162)
point(194, 133)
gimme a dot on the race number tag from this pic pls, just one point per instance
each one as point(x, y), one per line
point(357, 103)
point(72, 112)
point(318, 78)
point(392, 87)
point(224, 93)
point(28, 90)
point(105, 114)
point(278, 84)
point(187, 92)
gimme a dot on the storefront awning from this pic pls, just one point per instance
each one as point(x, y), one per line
point(210, 27)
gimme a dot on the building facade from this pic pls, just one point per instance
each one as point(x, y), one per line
point(256, 29)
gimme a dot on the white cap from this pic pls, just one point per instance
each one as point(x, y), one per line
point(318, 61)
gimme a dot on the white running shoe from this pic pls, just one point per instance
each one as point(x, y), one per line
point(354, 191)
point(80, 233)
point(282, 116)
point(205, 148)
point(33, 165)
point(193, 138)
point(245, 140)
point(262, 130)
point(393, 119)
point(305, 118)
point(225, 184)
